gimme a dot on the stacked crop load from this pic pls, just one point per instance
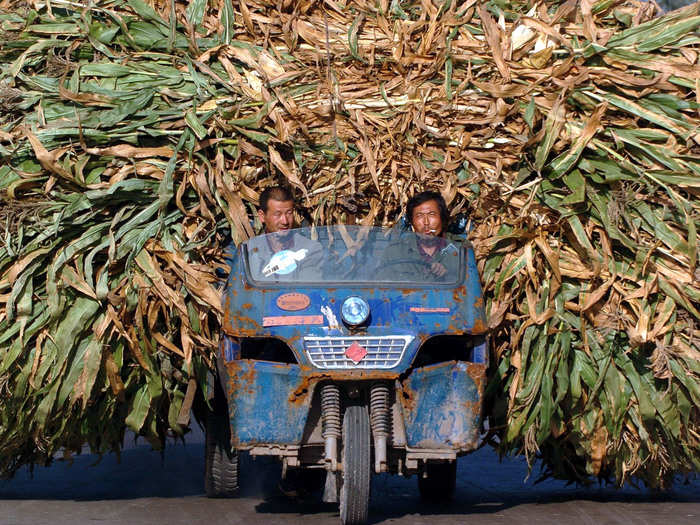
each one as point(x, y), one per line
point(136, 136)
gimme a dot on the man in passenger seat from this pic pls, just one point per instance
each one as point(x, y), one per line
point(281, 254)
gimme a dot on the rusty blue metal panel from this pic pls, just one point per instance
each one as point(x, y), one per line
point(442, 405)
point(422, 312)
point(230, 348)
point(262, 406)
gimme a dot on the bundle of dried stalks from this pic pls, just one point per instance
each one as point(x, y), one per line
point(568, 132)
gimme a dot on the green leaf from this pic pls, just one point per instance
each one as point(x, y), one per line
point(353, 36)
point(195, 12)
point(228, 21)
point(146, 12)
point(195, 125)
point(105, 69)
point(54, 29)
point(529, 115)
point(670, 34)
point(139, 408)
point(577, 184)
point(678, 127)
point(553, 126)
point(648, 31)
point(448, 78)
point(646, 408)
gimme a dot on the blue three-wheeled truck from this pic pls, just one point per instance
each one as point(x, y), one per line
point(345, 351)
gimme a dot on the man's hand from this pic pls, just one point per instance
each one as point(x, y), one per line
point(438, 269)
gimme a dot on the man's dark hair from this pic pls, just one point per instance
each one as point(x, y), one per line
point(425, 196)
point(277, 193)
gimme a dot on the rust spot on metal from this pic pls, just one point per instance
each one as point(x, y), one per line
point(479, 327)
point(479, 302)
point(356, 375)
point(249, 376)
point(408, 397)
point(298, 396)
point(246, 332)
point(227, 310)
point(477, 371)
point(247, 320)
point(247, 306)
point(242, 376)
point(473, 407)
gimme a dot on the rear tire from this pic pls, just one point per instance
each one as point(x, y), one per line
point(220, 459)
point(438, 486)
point(356, 476)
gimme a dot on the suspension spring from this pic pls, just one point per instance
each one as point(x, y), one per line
point(330, 424)
point(379, 409)
point(330, 411)
point(380, 420)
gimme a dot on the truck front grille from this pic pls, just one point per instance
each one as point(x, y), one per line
point(382, 351)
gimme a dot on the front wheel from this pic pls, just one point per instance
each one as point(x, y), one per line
point(355, 487)
point(438, 483)
point(220, 459)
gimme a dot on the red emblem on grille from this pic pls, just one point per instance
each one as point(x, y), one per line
point(355, 353)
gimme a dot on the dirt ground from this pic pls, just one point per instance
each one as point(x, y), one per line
point(147, 487)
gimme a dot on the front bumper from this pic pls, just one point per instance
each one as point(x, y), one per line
point(434, 407)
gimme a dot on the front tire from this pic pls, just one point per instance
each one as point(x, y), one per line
point(438, 485)
point(220, 459)
point(355, 488)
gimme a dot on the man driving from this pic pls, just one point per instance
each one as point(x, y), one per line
point(428, 255)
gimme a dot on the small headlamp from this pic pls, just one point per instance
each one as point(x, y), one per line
point(354, 311)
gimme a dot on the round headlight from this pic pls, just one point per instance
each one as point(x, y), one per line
point(354, 311)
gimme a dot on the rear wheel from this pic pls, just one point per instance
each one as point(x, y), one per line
point(355, 480)
point(438, 483)
point(221, 460)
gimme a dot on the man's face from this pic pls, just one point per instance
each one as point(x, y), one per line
point(279, 216)
point(426, 219)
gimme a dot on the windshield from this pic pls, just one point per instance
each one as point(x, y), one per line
point(336, 255)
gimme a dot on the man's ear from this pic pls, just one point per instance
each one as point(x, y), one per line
point(261, 216)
